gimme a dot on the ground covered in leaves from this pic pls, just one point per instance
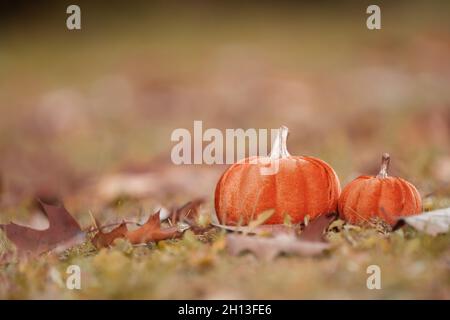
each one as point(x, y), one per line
point(413, 265)
point(90, 114)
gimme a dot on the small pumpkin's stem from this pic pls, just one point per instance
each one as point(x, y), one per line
point(279, 148)
point(385, 159)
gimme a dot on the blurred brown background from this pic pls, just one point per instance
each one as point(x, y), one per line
point(87, 115)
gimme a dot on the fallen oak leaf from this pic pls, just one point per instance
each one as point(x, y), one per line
point(63, 232)
point(315, 229)
point(432, 222)
point(269, 248)
point(151, 231)
point(106, 239)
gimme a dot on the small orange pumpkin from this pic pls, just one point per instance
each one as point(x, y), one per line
point(381, 196)
point(300, 186)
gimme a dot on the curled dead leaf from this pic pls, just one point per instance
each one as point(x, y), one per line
point(63, 232)
point(150, 231)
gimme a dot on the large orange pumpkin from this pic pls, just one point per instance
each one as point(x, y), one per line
point(381, 196)
point(297, 186)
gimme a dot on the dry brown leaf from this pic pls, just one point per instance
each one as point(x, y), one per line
point(314, 231)
point(105, 239)
point(269, 248)
point(63, 232)
point(149, 232)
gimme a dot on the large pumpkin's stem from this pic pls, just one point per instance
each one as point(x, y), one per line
point(279, 148)
point(385, 159)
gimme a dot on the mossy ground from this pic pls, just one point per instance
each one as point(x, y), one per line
point(413, 266)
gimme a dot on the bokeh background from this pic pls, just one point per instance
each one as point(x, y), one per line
point(86, 116)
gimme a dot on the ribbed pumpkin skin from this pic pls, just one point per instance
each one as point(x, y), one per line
point(302, 186)
point(388, 198)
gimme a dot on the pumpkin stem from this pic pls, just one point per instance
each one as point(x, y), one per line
point(279, 148)
point(385, 159)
